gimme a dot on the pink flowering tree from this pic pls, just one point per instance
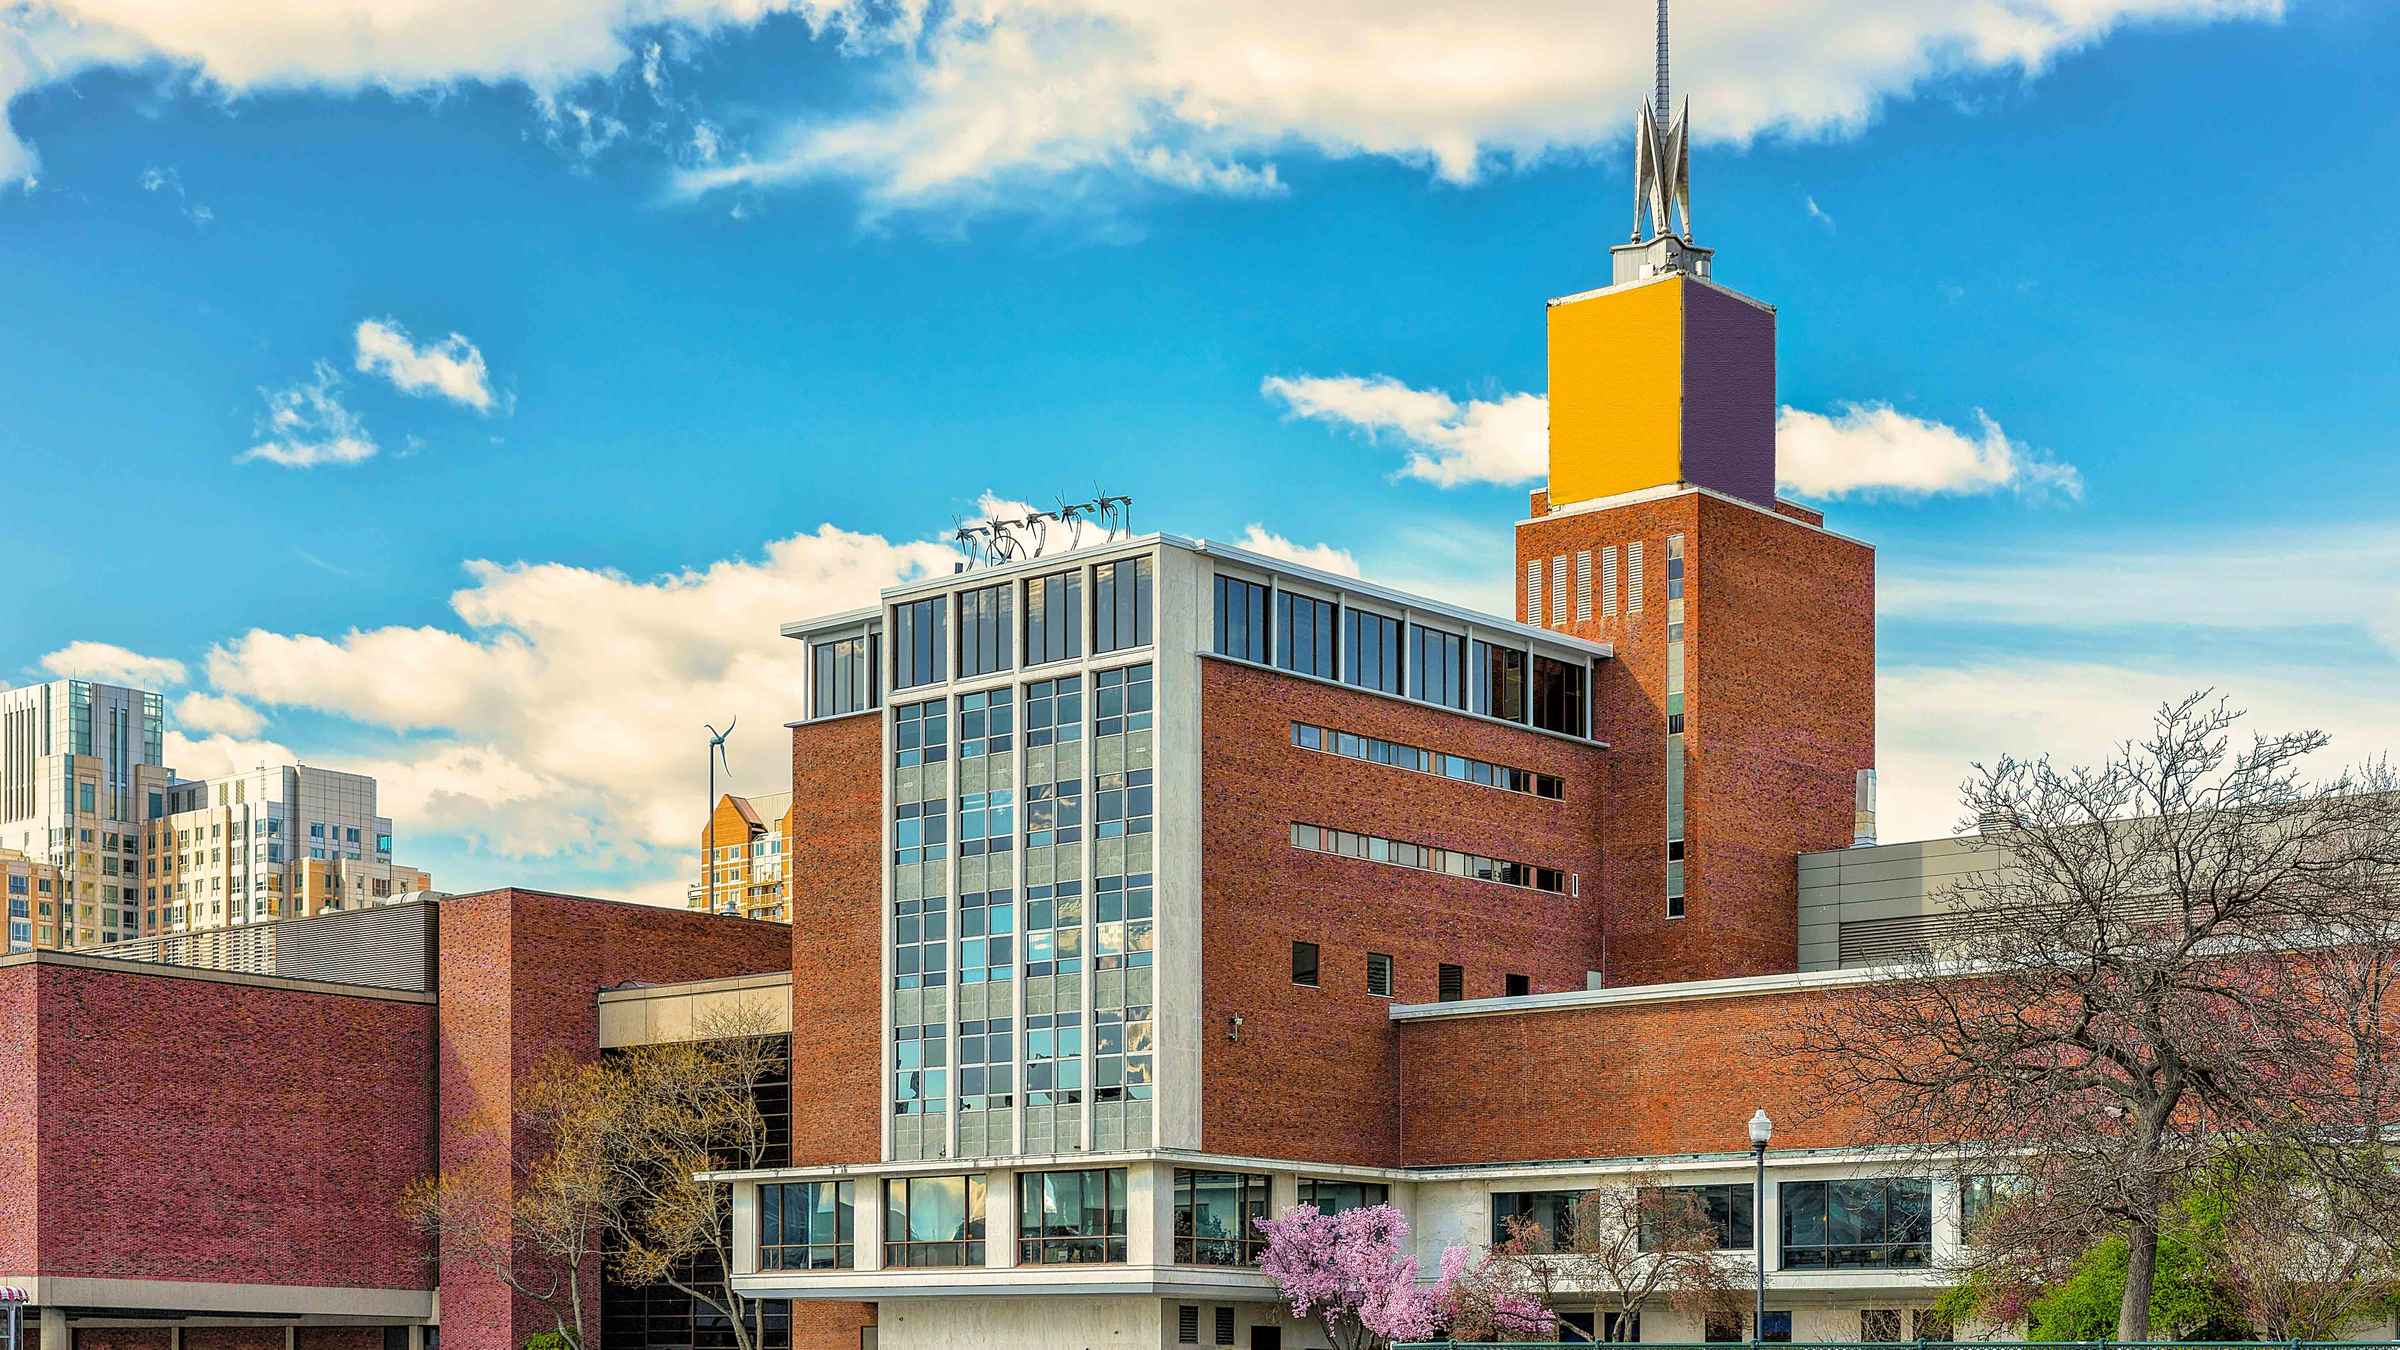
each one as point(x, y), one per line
point(1351, 1272)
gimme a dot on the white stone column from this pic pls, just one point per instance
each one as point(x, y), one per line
point(1000, 1219)
point(747, 1197)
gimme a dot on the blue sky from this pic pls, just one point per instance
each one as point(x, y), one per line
point(600, 347)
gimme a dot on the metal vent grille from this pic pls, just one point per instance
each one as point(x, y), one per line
point(1608, 582)
point(1533, 591)
point(1558, 591)
point(1633, 577)
point(1583, 585)
point(391, 947)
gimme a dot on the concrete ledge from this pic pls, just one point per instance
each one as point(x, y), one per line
point(231, 1301)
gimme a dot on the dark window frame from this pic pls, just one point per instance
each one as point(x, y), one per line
point(1902, 1239)
point(1045, 1247)
point(986, 638)
point(1243, 629)
point(965, 1251)
point(1124, 593)
point(1307, 634)
point(920, 642)
point(1378, 651)
point(1057, 635)
point(1242, 1248)
point(775, 1247)
point(1310, 967)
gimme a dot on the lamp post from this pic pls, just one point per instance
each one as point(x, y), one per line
point(1761, 1130)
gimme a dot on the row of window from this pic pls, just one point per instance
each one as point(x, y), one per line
point(1398, 853)
point(1450, 981)
point(1459, 767)
point(1063, 1218)
point(1360, 647)
point(1121, 617)
point(1860, 1223)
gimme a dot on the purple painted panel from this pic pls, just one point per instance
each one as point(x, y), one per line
point(1728, 395)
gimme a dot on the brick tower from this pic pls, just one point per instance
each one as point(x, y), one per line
point(1741, 703)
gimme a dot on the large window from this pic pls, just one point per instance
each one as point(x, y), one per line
point(1071, 1218)
point(1558, 696)
point(805, 1226)
point(1054, 617)
point(933, 1221)
point(1216, 1217)
point(1332, 1197)
point(1304, 634)
point(1374, 651)
point(1121, 605)
point(1498, 681)
point(1241, 619)
point(1979, 1196)
point(984, 631)
point(986, 727)
point(845, 677)
point(1440, 666)
point(1862, 1223)
point(917, 642)
point(1726, 1209)
point(1375, 749)
point(1544, 1219)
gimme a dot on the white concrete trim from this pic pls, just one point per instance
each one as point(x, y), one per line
point(686, 987)
point(117, 966)
point(1744, 986)
point(220, 1299)
point(1667, 490)
point(1222, 1283)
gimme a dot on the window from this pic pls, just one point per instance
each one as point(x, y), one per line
point(987, 926)
point(1718, 1328)
point(1862, 1223)
point(917, 642)
point(1121, 605)
point(1241, 619)
point(805, 1226)
point(1726, 1209)
point(1420, 760)
point(1054, 617)
point(1450, 983)
point(1441, 666)
point(1498, 681)
point(986, 1060)
point(1519, 985)
point(1399, 853)
point(1545, 1219)
point(1878, 1325)
point(984, 630)
point(1216, 1216)
point(1374, 651)
point(1332, 1197)
point(1071, 1218)
point(1379, 975)
point(986, 819)
point(1304, 964)
point(933, 1221)
point(1979, 1196)
point(1558, 696)
point(1304, 634)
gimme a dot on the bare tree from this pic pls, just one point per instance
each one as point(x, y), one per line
point(2186, 945)
point(2298, 1261)
point(688, 1108)
point(536, 1226)
point(1626, 1245)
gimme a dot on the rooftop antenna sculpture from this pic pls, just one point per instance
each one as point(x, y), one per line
point(716, 756)
point(1072, 514)
point(970, 540)
point(1662, 156)
point(1005, 546)
point(1036, 526)
point(1116, 514)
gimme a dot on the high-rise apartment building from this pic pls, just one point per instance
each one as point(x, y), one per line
point(79, 772)
point(276, 842)
point(742, 851)
point(26, 883)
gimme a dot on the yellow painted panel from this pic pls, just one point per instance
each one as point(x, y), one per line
point(1616, 392)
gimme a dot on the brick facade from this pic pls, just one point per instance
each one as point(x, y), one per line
point(519, 974)
point(1641, 1080)
point(1312, 1073)
point(837, 941)
point(269, 1119)
point(1779, 652)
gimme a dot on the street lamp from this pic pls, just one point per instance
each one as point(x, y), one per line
point(1761, 1130)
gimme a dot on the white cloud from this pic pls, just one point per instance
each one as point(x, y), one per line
point(451, 368)
point(217, 755)
point(1934, 722)
point(1002, 93)
point(1506, 440)
point(1817, 213)
point(2222, 582)
point(1323, 557)
point(108, 663)
point(1875, 448)
point(215, 713)
point(307, 425)
point(560, 716)
point(1862, 448)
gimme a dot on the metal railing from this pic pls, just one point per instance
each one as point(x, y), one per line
point(1913, 1345)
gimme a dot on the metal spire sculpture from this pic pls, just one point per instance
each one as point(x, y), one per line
point(1662, 157)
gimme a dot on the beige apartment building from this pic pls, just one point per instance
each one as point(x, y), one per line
point(746, 874)
point(277, 842)
point(79, 774)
